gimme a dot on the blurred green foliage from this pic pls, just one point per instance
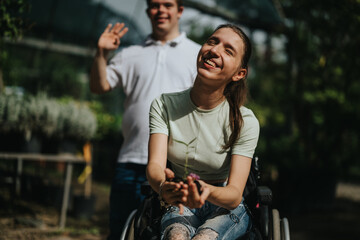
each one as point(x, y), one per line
point(11, 25)
point(309, 105)
point(107, 123)
point(41, 70)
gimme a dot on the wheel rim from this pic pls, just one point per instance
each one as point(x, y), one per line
point(276, 225)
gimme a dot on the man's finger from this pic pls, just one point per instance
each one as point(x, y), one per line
point(123, 32)
point(117, 41)
point(107, 29)
point(117, 28)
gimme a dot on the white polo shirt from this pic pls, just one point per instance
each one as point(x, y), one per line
point(144, 72)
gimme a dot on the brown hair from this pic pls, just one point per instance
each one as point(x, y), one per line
point(236, 91)
point(179, 3)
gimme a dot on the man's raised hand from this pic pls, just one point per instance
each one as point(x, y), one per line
point(110, 38)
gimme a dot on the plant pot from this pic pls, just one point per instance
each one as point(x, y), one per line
point(50, 146)
point(33, 145)
point(12, 142)
point(83, 207)
point(68, 146)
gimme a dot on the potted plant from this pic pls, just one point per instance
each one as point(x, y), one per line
point(25, 120)
point(12, 134)
point(76, 125)
point(33, 122)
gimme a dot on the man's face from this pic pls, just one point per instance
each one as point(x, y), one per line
point(164, 15)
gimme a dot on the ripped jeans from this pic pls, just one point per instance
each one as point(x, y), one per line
point(228, 224)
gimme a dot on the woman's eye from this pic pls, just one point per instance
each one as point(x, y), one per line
point(211, 41)
point(229, 52)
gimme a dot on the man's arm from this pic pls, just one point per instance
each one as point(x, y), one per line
point(109, 40)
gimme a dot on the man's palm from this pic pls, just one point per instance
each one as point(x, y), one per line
point(110, 38)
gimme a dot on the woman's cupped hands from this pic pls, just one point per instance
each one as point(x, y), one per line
point(184, 193)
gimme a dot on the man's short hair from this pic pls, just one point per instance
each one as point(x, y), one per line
point(179, 3)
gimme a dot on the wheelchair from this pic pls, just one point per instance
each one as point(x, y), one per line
point(144, 222)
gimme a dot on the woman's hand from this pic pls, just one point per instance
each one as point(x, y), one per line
point(194, 198)
point(174, 193)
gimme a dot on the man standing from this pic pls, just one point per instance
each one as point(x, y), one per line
point(165, 62)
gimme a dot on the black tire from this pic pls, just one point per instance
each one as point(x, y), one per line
point(276, 233)
point(265, 222)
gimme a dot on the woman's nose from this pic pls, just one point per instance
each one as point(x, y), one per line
point(215, 50)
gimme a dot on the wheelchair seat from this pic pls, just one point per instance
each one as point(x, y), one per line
point(144, 222)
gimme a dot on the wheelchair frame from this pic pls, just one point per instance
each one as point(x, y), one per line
point(143, 223)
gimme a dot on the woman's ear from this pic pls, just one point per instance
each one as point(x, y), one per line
point(240, 74)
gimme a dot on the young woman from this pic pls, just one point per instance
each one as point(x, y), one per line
point(206, 132)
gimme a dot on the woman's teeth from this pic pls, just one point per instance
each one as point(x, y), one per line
point(210, 62)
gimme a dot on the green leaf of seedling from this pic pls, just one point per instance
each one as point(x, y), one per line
point(192, 141)
point(181, 142)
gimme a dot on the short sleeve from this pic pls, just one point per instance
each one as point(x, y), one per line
point(114, 71)
point(249, 136)
point(158, 117)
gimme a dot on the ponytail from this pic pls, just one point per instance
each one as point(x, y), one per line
point(236, 91)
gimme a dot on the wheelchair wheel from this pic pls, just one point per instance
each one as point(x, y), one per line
point(285, 230)
point(276, 234)
point(128, 230)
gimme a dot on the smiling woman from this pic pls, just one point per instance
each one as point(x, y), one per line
point(219, 59)
point(225, 133)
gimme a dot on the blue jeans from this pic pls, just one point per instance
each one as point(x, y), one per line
point(125, 195)
point(228, 224)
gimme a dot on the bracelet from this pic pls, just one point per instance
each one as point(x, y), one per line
point(163, 204)
point(160, 187)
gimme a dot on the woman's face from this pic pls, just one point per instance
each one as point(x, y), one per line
point(219, 59)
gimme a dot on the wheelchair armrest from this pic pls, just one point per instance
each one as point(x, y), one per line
point(264, 195)
point(146, 189)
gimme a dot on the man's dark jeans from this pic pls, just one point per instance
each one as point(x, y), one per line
point(125, 195)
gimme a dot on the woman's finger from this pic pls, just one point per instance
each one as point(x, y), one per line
point(205, 194)
point(193, 188)
point(169, 174)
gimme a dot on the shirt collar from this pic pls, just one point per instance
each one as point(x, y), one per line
point(172, 43)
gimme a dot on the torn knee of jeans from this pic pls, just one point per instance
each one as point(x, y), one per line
point(206, 234)
point(176, 231)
